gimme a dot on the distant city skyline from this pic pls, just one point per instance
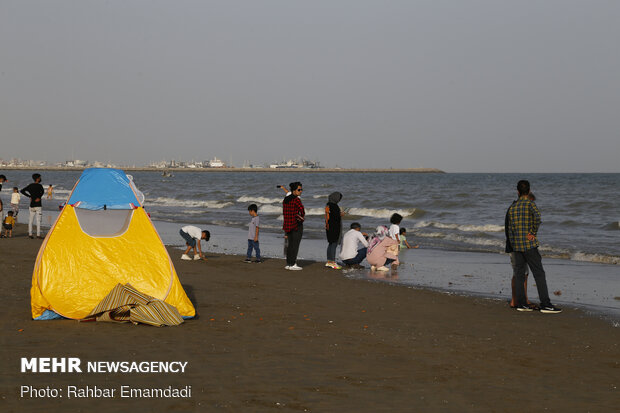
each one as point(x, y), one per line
point(462, 86)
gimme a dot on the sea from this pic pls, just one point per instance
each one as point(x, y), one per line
point(457, 219)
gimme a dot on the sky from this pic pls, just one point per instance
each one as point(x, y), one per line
point(459, 85)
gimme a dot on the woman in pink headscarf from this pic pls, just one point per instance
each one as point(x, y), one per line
point(381, 250)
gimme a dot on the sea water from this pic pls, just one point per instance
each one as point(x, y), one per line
point(457, 219)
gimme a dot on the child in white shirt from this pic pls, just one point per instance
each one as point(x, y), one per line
point(394, 230)
point(15, 197)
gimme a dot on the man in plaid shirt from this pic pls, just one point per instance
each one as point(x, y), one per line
point(523, 223)
point(294, 215)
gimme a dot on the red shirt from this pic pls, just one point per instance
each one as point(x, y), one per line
point(294, 213)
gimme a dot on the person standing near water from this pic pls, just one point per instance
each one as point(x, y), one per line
point(35, 192)
point(333, 228)
point(523, 223)
point(294, 215)
point(509, 250)
point(253, 230)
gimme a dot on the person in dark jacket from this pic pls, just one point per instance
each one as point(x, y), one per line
point(333, 228)
point(35, 192)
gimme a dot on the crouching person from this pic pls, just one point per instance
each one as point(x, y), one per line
point(350, 254)
point(192, 236)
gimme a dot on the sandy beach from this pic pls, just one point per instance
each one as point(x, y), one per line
point(267, 339)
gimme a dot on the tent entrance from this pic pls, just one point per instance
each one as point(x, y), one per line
point(104, 223)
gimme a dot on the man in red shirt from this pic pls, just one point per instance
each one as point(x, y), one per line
point(294, 215)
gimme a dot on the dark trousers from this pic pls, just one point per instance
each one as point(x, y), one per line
point(530, 258)
point(294, 239)
point(361, 254)
point(331, 251)
point(253, 245)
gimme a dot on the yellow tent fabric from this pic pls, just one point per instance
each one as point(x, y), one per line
point(74, 271)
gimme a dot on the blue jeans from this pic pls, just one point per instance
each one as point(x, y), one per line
point(189, 241)
point(253, 245)
point(361, 254)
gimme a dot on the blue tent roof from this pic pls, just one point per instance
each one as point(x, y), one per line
point(102, 188)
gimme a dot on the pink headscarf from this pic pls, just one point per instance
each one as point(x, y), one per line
point(377, 237)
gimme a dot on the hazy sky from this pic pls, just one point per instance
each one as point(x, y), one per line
point(460, 85)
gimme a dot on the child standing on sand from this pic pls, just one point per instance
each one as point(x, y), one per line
point(15, 197)
point(50, 192)
point(253, 235)
point(7, 225)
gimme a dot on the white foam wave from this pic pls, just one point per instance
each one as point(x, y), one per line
point(259, 199)
point(476, 241)
point(62, 191)
point(315, 211)
point(270, 209)
point(430, 234)
point(189, 203)
point(381, 213)
point(461, 227)
point(277, 209)
point(320, 196)
point(598, 258)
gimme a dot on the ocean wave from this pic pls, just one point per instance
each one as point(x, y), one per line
point(597, 258)
point(461, 227)
point(189, 203)
point(192, 212)
point(320, 196)
point(476, 241)
point(314, 211)
point(270, 209)
point(488, 242)
point(386, 213)
point(260, 199)
point(277, 209)
point(59, 191)
point(430, 234)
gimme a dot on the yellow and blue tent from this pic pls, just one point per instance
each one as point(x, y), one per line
point(102, 237)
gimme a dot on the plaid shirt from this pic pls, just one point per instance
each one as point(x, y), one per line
point(524, 219)
point(291, 211)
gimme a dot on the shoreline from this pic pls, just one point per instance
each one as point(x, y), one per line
point(610, 315)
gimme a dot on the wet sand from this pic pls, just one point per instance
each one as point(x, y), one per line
point(267, 339)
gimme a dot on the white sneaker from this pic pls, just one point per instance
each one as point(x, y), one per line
point(373, 268)
point(196, 257)
point(287, 268)
point(295, 268)
point(383, 268)
point(186, 257)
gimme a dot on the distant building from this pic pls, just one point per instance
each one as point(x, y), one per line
point(216, 163)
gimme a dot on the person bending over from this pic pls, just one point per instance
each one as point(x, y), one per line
point(192, 236)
